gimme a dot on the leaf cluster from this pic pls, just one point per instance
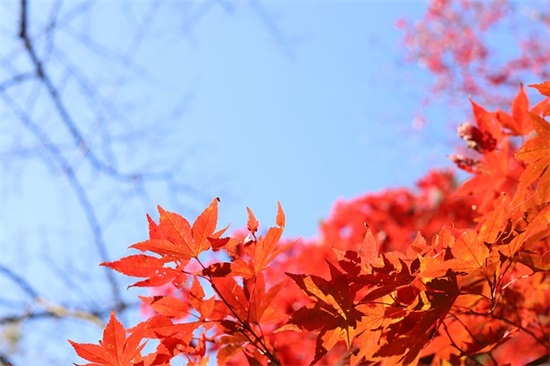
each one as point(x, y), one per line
point(449, 274)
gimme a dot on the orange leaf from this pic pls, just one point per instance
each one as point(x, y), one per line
point(543, 88)
point(495, 221)
point(252, 224)
point(486, 121)
point(93, 352)
point(260, 301)
point(239, 267)
point(176, 230)
point(334, 312)
point(204, 307)
point(469, 253)
point(370, 248)
point(138, 265)
point(141, 265)
point(520, 108)
point(407, 337)
point(114, 337)
point(154, 230)
point(203, 227)
point(232, 295)
point(543, 108)
point(280, 219)
point(114, 349)
point(321, 290)
point(541, 126)
point(167, 305)
point(264, 248)
point(163, 247)
point(329, 336)
point(160, 326)
point(368, 332)
point(536, 153)
point(174, 236)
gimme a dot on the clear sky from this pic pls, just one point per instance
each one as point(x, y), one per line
point(320, 108)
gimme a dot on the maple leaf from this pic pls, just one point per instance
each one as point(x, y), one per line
point(328, 293)
point(141, 265)
point(498, 172)
point(233, 299)
point(543, 108)
point(263, 250)
point(331, 327)
point(536, 153)
point(260, 300)
point(175, 237)
point(266, 248)
point(252, 224)
point(469, 253)
point(370, 248)
point(536, 149)
point(333, 314)
point(280, 218)
point(202, 305)
point(407, 337)
point(161, 326)
point(115, 349)
point(167, 305)
point(487, 122)
point(204, 227)
point(154, 229)
point(543, 88)
point(495, 222)
point(386, 278)
point(231, 345)
point(520, 122)
point(349, 261)
point(531, 236)
point(368, 333)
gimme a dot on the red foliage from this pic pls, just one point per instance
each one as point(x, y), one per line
point(445, 273)
point(457, 40)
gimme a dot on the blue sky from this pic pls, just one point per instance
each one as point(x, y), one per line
point(325, 113)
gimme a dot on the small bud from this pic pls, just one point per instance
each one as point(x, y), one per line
point(480, 141)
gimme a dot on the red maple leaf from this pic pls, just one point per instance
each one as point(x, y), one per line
point(536, 154)
point(333, 314)
point(115, 349)
point(175, 237)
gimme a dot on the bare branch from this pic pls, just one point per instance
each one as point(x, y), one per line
point(20, 281)
point(272, 27)
point(68, 121)
point(15, 80)
point(77, 187)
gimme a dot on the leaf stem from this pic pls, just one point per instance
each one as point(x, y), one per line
point(257, 341)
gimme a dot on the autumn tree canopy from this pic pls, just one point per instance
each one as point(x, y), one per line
point(448, 272)
point(460, 44)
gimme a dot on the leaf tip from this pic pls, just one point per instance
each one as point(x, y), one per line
point(280, 219)
point(160, 209)
point(252, 223)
